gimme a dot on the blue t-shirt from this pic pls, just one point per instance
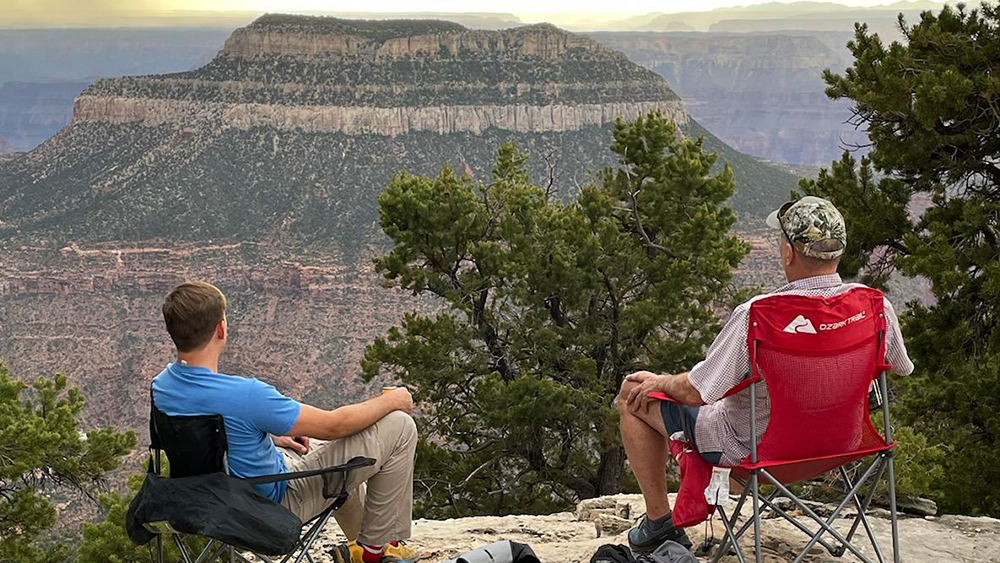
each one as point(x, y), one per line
point(251, 409)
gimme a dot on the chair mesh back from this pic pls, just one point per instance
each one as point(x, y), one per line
point(816, 402)
point(195, 445)
point(818, 378)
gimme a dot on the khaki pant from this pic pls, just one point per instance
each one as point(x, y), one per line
point(379, 515)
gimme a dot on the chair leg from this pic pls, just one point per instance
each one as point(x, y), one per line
point(314, 533)
point(203, 556)
point(182, 548)
point(868, 497)
point(159, 548)
point(825, 526)
point(768, 503)
point(754, 490)
point(724, 544)
point(861, 517)
point(307, 539)
point(729, 534)
point(892, 507)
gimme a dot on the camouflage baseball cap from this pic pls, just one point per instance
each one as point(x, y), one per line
point(813, 225)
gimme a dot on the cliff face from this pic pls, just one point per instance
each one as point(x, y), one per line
point(300, 322)
point(761, 93)
point(353, 120)
point(390, 78)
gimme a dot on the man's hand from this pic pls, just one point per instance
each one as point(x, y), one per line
point(299, 444)
point(401, 399)
point(638, 396)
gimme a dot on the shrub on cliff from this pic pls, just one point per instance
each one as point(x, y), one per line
point(931, 107)
point(41, 447)
point(547, 305)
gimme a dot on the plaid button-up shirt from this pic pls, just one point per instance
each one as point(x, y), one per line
point(723, 424)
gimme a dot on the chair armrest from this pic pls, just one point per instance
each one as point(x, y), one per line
point(734, 390)
point(351, 465)
point(663, 397)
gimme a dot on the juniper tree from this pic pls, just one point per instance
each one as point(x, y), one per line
point(931, 106)
point(545, 306)
point(41, 446)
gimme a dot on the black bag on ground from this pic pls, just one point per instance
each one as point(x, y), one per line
point(611, 553)
point(500, 552)
point(217, 506)
point(668, 552)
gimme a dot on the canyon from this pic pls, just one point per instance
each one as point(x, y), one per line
point(761, 93)
point(260, 171)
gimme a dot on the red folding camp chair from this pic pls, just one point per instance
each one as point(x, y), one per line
point(818, 357)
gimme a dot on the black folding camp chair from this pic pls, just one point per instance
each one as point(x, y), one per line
point(196, 446)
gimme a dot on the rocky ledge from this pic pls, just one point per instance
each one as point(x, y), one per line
point(574, 537)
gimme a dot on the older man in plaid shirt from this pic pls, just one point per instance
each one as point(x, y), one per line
point(813, 237)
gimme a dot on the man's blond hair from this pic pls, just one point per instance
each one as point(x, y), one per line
point(191, 312)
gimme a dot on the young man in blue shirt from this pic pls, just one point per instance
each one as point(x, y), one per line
point(270, 433)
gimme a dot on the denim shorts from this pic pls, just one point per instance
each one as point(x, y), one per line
point(682, 418)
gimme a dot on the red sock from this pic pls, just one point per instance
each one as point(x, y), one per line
point(371, 554)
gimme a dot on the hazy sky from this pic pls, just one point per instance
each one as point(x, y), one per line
point(516, 6)
point(95, 7)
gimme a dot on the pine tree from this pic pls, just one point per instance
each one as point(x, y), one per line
point(41, 446)
point(931, 106)
point(545, 306)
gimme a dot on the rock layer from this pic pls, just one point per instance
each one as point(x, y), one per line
point(352, 120)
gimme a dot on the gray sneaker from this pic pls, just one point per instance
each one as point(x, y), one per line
point(648, 534)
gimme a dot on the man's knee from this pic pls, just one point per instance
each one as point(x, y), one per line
point(621, 399)
point(407, 428)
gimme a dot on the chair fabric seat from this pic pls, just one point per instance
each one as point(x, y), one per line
point(216, 506)
point(796, 470)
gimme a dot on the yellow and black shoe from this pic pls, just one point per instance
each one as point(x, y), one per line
point(398, 551)
point(349, 552)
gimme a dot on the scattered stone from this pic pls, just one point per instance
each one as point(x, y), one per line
point(590, 508)
point(879, 513)
point(623, 510)
point(563, 538)
point(917, 505)
point(970, 523)
point(609, 525)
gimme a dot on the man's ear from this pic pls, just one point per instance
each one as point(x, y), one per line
point(787, 254)
point(222, 330)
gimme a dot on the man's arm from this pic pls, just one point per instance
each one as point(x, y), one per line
point(895, 348)
point(679, 387)
point(351, 419)
point(674, 386)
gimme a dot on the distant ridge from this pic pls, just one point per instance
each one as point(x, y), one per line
point(704, 20)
